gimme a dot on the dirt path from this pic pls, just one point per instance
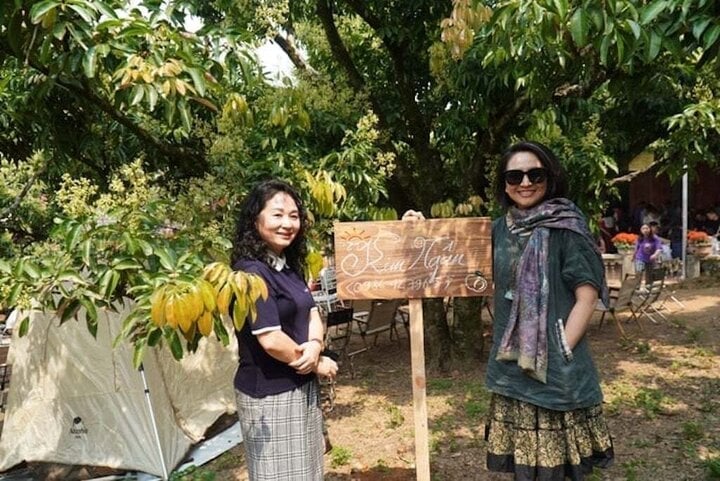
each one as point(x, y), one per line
point(662, 398)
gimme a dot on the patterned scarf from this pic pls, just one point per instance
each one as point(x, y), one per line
point(525, 337)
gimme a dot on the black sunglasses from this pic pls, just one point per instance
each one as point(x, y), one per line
point(537, 175)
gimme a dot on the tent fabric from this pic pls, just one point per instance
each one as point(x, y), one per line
point(73, 399)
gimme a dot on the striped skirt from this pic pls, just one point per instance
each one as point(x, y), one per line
point(539, 444)
point(282, 434)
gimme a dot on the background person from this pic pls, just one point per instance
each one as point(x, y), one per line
point(276, 382)
point(545, 420)
point(648, 251)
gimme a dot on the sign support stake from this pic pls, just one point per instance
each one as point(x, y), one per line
point(417, 353)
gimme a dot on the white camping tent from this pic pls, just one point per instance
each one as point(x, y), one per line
point(75, 400)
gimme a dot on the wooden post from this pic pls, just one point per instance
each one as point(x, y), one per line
point(415, 260)
point(417, 353)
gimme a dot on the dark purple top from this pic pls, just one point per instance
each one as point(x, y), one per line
point(287, 308)
point(646, 247)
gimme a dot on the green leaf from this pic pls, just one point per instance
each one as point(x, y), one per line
point(152, 97)
point(40, 9)
point(104, 283)
point(5, 267)
point(137, 94)
point(579, 27)
point(32, 270)
point(138, 354)
point(84, 13)
point(146, 247)
point(19, 268)
point(112, 285)
point(128, 325)
point(154, 336)
point(185, 116)
point(12, 296)
point(635, 28)
point(72, 237)
point(220, 332)
point(167, 259)
point(86, 248)
point(59, 30)
point(24, 326)
point(654, 46)
point(604, 48)
point(699, 27)
point(105, 9)
point(126, 264)
point(175, 345)
point(711, 36)
point(70, 310)
point(651, 11)
point(70, 276)
point(89, 62)
point(92, 326)
point(620, 43)
point(198, 80)
point(90, 310)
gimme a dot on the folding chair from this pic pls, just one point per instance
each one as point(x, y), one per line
point(5, 371)
point(650, 294)
point(623, 298)
point(326, 298)
point(380, 318)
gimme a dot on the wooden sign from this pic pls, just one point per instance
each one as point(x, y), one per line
point(414, 259)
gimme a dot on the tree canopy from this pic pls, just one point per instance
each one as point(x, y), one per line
point(391, 105)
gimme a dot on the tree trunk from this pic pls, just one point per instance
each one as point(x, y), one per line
point(438, 339)
point(469, 321)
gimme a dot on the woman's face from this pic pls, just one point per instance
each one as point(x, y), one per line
point(526, 194)
point(279, 222)
point(645, 230)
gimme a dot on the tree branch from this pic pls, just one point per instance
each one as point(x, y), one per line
point(415, 120)
point(188, 159)
point(337, 47)
point(288, 45)
point(342, 56)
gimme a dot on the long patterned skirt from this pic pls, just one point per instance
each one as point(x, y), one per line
point(539, 444)
point(282, 434)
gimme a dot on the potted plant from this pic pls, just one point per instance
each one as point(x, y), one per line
point(699, 243)
point(624, 242)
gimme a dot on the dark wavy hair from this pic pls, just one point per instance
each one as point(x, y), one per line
point(249, 245)
point(556, 183)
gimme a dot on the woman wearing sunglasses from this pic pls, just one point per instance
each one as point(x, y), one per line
point(545, 421)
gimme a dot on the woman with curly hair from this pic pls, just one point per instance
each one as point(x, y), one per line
point(276, 381)
point(545, 420)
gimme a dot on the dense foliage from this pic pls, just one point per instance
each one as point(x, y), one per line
point(390, 106)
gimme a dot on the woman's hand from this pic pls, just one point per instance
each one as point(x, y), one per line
point(327, 368)
point(309, 357)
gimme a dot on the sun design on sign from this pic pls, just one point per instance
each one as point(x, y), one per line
point(354, 234)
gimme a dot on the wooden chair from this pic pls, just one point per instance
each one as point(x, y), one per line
point(650, 294)
point(624, 298)
point(380, 318)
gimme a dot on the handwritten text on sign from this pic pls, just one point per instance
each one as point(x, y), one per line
point(414, 259)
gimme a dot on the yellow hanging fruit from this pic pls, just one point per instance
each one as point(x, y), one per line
point(171, 318)
point(157, 307)
point(205, 323)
